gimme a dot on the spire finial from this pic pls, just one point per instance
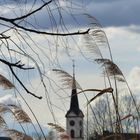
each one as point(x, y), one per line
point(73, 67)
point(73, 83)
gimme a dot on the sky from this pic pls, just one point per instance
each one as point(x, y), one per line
point(121, 23)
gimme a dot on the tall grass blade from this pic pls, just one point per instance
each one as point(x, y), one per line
point(2, 123)
point(66, 78)
point(4, 82)
point(16, 135)
point(20, 115)
point(111, 69)
point(108, 90)
point(4, 108)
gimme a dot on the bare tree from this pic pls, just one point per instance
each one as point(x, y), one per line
point(34, 36)
point(31, 35)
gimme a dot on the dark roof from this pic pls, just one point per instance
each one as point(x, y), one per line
point(74, 104)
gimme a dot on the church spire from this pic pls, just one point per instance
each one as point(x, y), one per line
point(74, 104)
point(74, 116)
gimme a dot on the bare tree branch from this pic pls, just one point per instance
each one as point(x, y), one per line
point(10, 65)
point(43, 32)
point(17, 64)
point(47, 33)
point(12, 21)
point(39, 97)
point(29, 14)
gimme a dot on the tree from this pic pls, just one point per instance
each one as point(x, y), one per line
point(25, 44)
point(34, 36)
point(101, 123)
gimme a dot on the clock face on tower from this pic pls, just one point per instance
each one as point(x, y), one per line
point(72, 123)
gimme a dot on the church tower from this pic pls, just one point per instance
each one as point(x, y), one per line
point(74, 116)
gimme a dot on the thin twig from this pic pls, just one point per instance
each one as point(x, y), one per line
point(10, 65)
point(39, 97)
point(31, 13)
point(20, 66)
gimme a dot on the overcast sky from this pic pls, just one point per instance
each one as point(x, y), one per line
point(121, 22)
point(108, 12)
point(116, 12)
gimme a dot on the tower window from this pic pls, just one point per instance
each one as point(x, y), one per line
point(80, 123)
point(72, 133)
point(80, 133)
point(72, 123)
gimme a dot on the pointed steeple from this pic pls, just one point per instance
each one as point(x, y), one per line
point(74, 116)
point(74, 103)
